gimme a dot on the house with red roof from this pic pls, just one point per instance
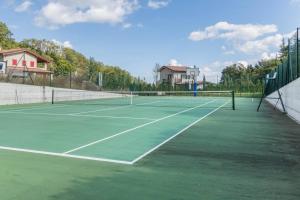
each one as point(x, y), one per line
point(178, 75)
point(21, 62)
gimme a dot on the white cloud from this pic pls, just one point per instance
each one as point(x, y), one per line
point(263, 45)
point(225, 30)
point(24, 6)
point(229, 52)
point(289, 35)
point(65, 44)
point(243, 63)
point(254, 39)
point(155, 4)
point(127, 25)
point(212, 71)
point(174, 62)
point(226, 51)
point(59, 13)
point(268, 56)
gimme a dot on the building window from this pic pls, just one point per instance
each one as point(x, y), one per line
point(14, 62)
point(24, 63)
point(32, 64)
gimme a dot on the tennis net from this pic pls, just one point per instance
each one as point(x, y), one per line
point(145, 98)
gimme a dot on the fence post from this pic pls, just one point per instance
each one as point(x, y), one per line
point(52, 97)
point(233, 100)
point(297, 59)
point(70, 79)
point(288, 64)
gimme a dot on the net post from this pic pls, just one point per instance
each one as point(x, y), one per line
point(131, 98)
point(52, 97)
point(233, 100)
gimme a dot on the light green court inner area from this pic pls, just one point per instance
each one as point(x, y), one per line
point(117, 132)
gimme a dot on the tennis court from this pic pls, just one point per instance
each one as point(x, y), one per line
point(111, 130)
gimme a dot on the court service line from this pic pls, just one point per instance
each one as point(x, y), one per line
point(77, 115)
point(64, 155)
point(138, 127)
point(178, 133)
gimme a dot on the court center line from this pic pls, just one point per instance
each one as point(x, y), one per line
point(138, 127)
point(77, 115)
point(64, 155)
point(178, 133)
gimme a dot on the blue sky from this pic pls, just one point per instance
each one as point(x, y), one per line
point(136, 34)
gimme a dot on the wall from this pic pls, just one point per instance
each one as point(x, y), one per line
point(19, 57)
point(291, 99)
point(22, 94)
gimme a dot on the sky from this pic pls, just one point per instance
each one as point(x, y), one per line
point(137, 34)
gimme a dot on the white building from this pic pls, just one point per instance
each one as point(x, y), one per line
point(23, 61)
point(178, 75)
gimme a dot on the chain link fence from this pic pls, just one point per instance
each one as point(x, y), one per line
point(289, 69)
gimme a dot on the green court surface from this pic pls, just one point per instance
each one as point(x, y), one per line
point(94, 130)
point(204, 151)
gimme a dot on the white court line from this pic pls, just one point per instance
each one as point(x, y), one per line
point(148, 103)
point(181, 131)
point(132, 129)
point(65, 155)
point(77, 115)
point(112, 117)
point(104, 109)
point(34, 108)
point(114, 108)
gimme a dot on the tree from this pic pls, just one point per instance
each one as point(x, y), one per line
point(6, 37)
point(283, 52)
point(62, 67)
point(92, 69)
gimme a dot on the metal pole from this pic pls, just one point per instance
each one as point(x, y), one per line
point(233, 100)
point(70, 79)
point(288, 63)
point(297, 59)
point(52, 99)
point(50, 79)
